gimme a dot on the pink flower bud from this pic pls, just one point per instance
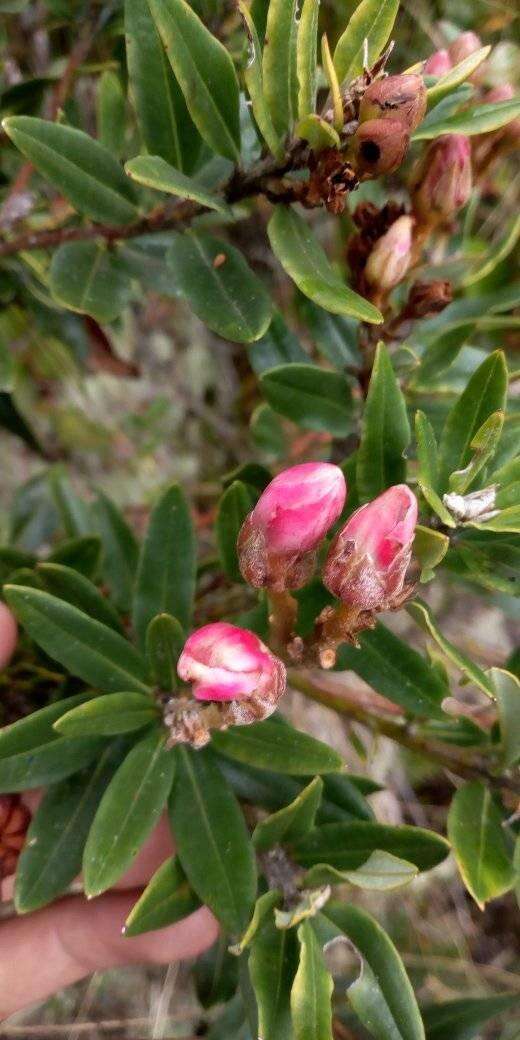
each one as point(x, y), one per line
point(391, 256)
point(395, 97)
point(368, 559)
point(464, 45)
point(226, 663)
point(378, 147)
point(278, 540)
point(442, 180)
point(438, 64)
point(8, 634)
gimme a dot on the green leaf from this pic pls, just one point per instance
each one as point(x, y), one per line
point(484, 394)
point(334, 335)
point(422, 615)
point(441, 352)
point(164, 122)
point(235, 504)
point(128, 812)
point(279, 64)
point(166, 899)
point(219, 286)
point(267, 432)
point(373, 21)
point(80, 555)
point(457, 75)
point(277, 346)
point(88, 649)
point(47, 764)
point(429, 548)
point(156, 173)
point(507, 520)
point(263, 907)
point(111, 112)
point(269, 745)
point(253, 77)
point(108, 716)
point(205, 73)
point(88, 278)
point(397, 671)
point(385, 432)
point(428, 467)
point(306, 57)
point(495, 255)
point(382, 872)
point(79, 167)
point(507, 690)
point(311, 990)
point(302, 257)
point(216, 974)
point(7, 369)
point(273, 963)
point(212, 839)
point(74, 511)
point(165, 639)
point(167, 564)
point(381, 996)
point(51, 857)
point(348, 846)
point(483, 447)
point(317, 132)
point(36, 729)
point(291, 822)
point(74, 588)
point(314, 398)
point(121, 551)
point(463, 1019)
point(477, 835)
point(479, 120)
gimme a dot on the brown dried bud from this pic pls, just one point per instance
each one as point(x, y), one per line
point(427, 298)
point(396, 97)
point(378, 147)
point(391, 256)
point(14, 821)
point(442, 181)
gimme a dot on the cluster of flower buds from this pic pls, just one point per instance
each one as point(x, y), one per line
point(14, 821)
point(442, 180)
point(390, 110)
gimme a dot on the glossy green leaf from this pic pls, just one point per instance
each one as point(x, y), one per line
point(347, 846)
point(155, 172)
point(80, 555)
point(479, 120)
point(485, 393)
point(291, 822)
point(385, 432)
point(311, 991)
point(477, 835)
point(87, 648)
point(373, 21)
point(121, 551)
point(306, 57)
point(212, 839)
point(483, 446)
point(52, 855)
point(165, 639)
point(71, 586)
point(457, 75)
point(422, 614)
point(441, 352)
point(205, 73)
point(167, 565)
point(463, 1019)
point(253, 77)
point(219, 286)
point(166, 899)
point(264, 906)
point(128, 812)
point(111, 112)
point(269, 745)
point(79, 167)
point(316, 399)
point(397, 671)
point(429, 548)
point(235, 504)
point(108, 716)
point(273, 962)
point(381, 996)
point(329, 72)
point(318, 132)
point(279, 64)
point(382, 872)
point(52, 761)
point(428, 467)
point(277, 346)
point(335, 336)
point(302, 257)
point(507, 691)
point(164, 122)
point(88, 278)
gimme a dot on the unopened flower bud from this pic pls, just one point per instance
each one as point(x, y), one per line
point(8, 634)
point(438, 64)
point(278, 540)
point(14, 821)
point(391, 256)
point(226, 663)
point(464, 45)
point(367, 561)
point(396, 97)
point(442, 181)
point(379, 147)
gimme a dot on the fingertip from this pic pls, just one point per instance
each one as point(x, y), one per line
point(181, 941)
point(8, 634)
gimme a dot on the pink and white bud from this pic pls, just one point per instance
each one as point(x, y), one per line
point(227, 663)
point(378, 147)
point(464, 45)
point(391, 256)
point(442, 181)
point(278, 540)
point(367, 562)
point(438, 64)
point(401, 97)
point(8, 635)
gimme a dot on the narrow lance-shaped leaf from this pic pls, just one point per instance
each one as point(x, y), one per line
point(315, 399)
point(155, 172)
point(479, 120)
point(483, 447)
point(475, 829)
point(311, 991)
point(109, 715)
point(273, 962)
point(348, 846)
point(306, 57)
point(463, 1019)
point(457, 75)
point(428, 472)
point(121, 551)
point(382, 872)
point(269, 745)
point(279, 64)
point(166, 899)
point(385, 433)
point(111, 115)
point(70, 585)
point(507, 690)
point(424, 618)
point(291, 822)
point(484, 394)
point(373, 21)
point(165, 639)
point(253, 76)
point(235, 504)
